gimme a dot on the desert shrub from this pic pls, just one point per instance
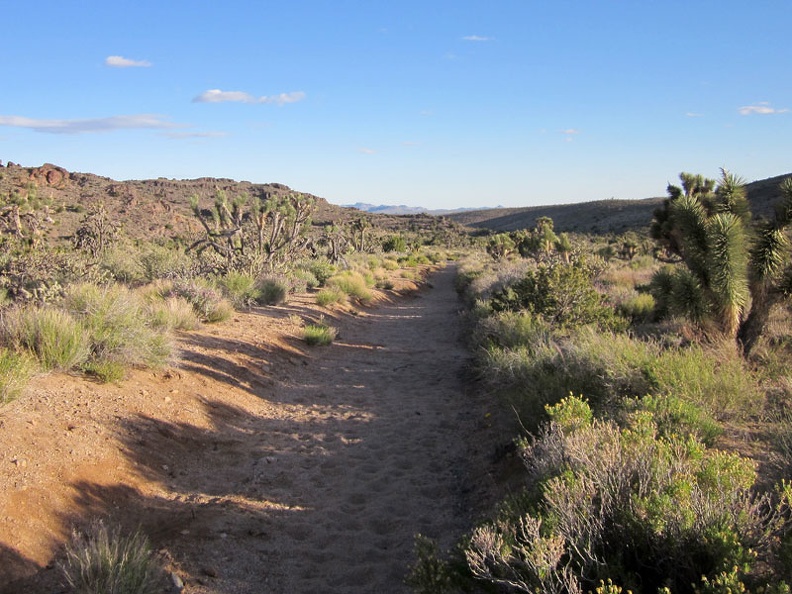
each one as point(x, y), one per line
point(545, 367)
point(207, 301)
point(394, 243)
point(353, 284)
point(638, 308)
point(302, 280)
point(318, 334)
point(321, 269)
point(674, 416)
point(385, 284)
point(105, 370)
point(16, 369)
point(508, 330)
point(390, 264)
point(105, 561)
point(123, 264)
point(330, 296)
point(532, 366)
point(240, 288)
point(717, 380)
point(272, 290)
point(57, 339)
point(172, 313)
point(119, 332)
point(624, 504)
point(159, 261)
point(563, 294)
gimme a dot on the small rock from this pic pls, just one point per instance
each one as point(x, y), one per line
point(177, 582)
point(211, 572)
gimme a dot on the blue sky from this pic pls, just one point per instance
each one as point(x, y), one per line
point(440, 104)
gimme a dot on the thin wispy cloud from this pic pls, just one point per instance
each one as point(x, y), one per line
point(476, 38)
point(191, 135)
point(87, 126)
point(121, 62)
point(692, 114)
point(218, 96)
point(570, 133)
point(761, 108)
point(367, 151)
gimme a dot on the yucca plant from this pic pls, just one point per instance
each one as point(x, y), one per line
point(732, 271)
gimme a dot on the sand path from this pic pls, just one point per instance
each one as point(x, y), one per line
point(258, 464)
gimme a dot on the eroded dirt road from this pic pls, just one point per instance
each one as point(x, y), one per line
point(256, 464)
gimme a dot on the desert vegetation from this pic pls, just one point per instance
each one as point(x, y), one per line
point(632, 370)
point(644, 374)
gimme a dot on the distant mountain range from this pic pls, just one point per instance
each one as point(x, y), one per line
point(405, 210)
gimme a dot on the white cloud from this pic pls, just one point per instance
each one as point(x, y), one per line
point(692, 114)
point(761, 108)
point(121, 62)
point(368, 151)
point(218, 96)
point(476, 38)
point(109, 124)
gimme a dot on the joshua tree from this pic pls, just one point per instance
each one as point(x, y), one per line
point(732, 270)
point(499, 246)
point(359, 227)
point(97, 231)
point(250, 232)
point(540, 241)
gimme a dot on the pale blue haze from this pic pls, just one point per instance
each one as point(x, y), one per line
point(440, 104)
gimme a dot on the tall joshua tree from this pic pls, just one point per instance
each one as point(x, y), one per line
point(732, 270)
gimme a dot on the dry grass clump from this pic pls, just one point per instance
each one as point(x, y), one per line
point(330, 296)
point(16, 370)
point(354, 284)
point(319, 334)
point(120, 332)
point(105, 561)
point(55, 337)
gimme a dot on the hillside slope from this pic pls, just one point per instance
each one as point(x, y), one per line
point(603, 216)
point(160, 208)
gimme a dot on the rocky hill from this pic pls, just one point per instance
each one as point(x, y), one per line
point(160, 208)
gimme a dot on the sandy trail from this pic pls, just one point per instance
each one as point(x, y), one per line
point(260, 465)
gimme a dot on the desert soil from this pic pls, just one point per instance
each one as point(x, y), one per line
point(255, 463)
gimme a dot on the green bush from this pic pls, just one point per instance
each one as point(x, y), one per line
point(563, 294)
point(321, 269)
point(240, 288)
point(16, 369)
point(272, 290)
point(719, 382)
point(104, 561)
point(120, 334)
point(638, 308)
point(330, 296)
point(57, 339)
point(647, 512)
point(353, 284)
point(303, 280)
point(394, 243)
point(172, 313)
point(160, 262)
point(319, 334)
point(122, 263)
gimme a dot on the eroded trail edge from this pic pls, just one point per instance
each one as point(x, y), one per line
point(257, 464)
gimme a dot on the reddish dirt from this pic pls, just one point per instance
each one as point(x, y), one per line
point(255, 463)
